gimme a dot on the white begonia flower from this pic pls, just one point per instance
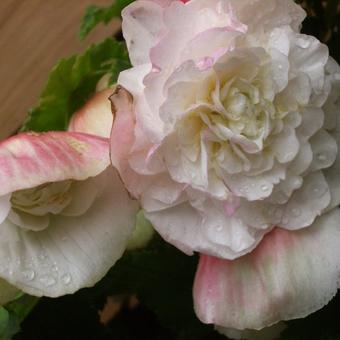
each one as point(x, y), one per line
point(65, 216)
point(226, 127)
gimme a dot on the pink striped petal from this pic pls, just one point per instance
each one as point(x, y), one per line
point(95, 117)
point(289, 275)
point(30, 159)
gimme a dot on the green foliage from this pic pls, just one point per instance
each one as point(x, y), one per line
point(72, 81)
point(95, 15)
point(13, 314)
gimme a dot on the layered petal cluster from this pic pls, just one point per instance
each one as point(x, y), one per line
point(65, 217)
point(225, 128)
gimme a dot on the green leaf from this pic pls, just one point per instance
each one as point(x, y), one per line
point(13, 314)
point(4, 318)
point(22, 306)
point(72, 81)
point(95, 15)
point(9, 324)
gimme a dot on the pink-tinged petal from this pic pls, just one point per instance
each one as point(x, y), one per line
point(7, 292)
point(142, 26)
point(289, 275)
point(73, 252)
point(231, 205)
point(29, 159)
point(122, 134)
point(95, 117)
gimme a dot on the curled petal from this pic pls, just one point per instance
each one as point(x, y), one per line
point(122, 134)
point(73, 252)
point(29, 159)
point(283, 278)
point(95, 117)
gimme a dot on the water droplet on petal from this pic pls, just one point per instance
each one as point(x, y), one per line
point(303, 43)
point(297, 182)
point(42, 256)
point(55, 267)
point(264, 187)
point(244, 190)
point(66, 278)
point(28, 274)
point(48, 280)
point(322, 157)
point(319, 191)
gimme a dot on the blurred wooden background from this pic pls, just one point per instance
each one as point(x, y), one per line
point(34, 34)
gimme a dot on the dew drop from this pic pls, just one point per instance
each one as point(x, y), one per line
point(319, 191)
point(42, 257)
point(193, 175)
point(28, 274)
point(66, 278)
point(297, 182)
point(322, 157)
point(264, 187)
point(55, 267)
point(244, 190)
point(303, 43)
point(48, 280)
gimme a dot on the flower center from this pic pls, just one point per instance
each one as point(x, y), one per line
point(44, 199)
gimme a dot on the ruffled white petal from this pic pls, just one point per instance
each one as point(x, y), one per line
point(73, 252)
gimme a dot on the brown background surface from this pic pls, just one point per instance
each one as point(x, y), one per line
point(34, 34)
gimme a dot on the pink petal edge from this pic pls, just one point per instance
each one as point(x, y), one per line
point(30, 159)
point(289, 275)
